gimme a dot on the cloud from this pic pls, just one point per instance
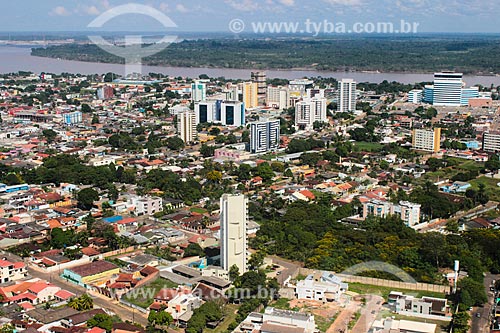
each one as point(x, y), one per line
point(164, 7)
point(59, 11)
point(344, 2)
point(181, 8)
point(287, 3)
point(91, 10)
point(243, 5)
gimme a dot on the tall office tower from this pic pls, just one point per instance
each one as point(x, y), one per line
point(227, 113)
point(198, 91)
point(347, 95)
point(261, 79)
point(310, 110)
point(232, 113)
point(233, 231)
point(448, 89)
point(264, 135)
point(428, 96)
point(278, 97)
point(186, 126)
point(250, 95)
point(206, 112)
point(427, 140)
point(232, 92)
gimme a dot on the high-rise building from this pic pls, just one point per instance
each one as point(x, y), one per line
point(261, 79)
point(428, 94)
point(415, 96)
point(233, 232)
point(250, 95)
point(232, 113)
point(491, 142)
point(232, 92)
point(186, 126)
point(298, 88)
point(198, 91)
point(347, 95)
point(427, 140)
point(278, 97)
point(448, 89)
point(264, 135)
point(309, 111)
point(206, 111)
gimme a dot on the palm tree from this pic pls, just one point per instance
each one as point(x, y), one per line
point(86, 302)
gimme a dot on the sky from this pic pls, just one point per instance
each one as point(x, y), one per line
point(456, 16)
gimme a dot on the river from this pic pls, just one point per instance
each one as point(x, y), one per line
point(14, 59)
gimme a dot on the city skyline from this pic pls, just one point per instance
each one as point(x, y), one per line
point(457, 16)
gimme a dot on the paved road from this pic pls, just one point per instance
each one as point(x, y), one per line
point(102, 301)
point(289, 268)
point(340, 325)
point(482, 323)
point(368, 314)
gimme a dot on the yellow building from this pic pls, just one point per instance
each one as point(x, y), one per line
point(427, 140)
point(91, 274)
point(251, 95)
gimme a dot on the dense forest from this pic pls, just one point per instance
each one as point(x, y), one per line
point(468, 54)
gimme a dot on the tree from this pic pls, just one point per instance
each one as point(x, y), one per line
point(194, 250)
point(95, 119)
point(461, 322)
point(207, 151)
point(234, 273)
point(175, 143)
point(101, 320)
point(86, 108)
point(244, 172)
point(7, 328)
point(472, 293)
point(49, 134)
point(86, 198)
point(256, 260)
point(265, 171)
point(161, 318)
point(288, 173)
point(82, 303)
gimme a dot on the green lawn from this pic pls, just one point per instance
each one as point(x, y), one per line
point(491, 187)
point(144, 295)
point(198, 210)
point(368, 146)
point(365, 289)
point(282, 303)
point(230, 316)
point(323, 323)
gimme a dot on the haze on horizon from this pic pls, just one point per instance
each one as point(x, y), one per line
point(448, 16)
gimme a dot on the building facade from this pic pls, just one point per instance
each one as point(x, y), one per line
point(408, 212)
point(227, 113)
point(347, 95)
point(233, 235)
point(264, 136)
point(491, 141)
point(415, 96)
point(186, 126)
point(72, 118)
point(260, 78)
point(278, 97)
point(427, 140)
point(250, 94)
point(448, 89)
point(198, 91)
point(309, 111)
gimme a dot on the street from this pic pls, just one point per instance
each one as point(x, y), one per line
point(102, 301)
point(289, 268)
point(368, 314)
point(482, 323)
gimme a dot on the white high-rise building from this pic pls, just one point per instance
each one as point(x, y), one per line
point(309, 111)
point(186, 126)
point(448, 89)
point(278, 97)
point(347, 95)
point(198, 91)
point(415, 96)
point(233, 231)
point(264, 136)
point(427, 140)
point(227, 113)
point(491, 141)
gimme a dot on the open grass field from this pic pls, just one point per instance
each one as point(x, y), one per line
point(144, 296)
point(364, 289)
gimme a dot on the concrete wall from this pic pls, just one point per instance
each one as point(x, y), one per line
point(384, 283)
